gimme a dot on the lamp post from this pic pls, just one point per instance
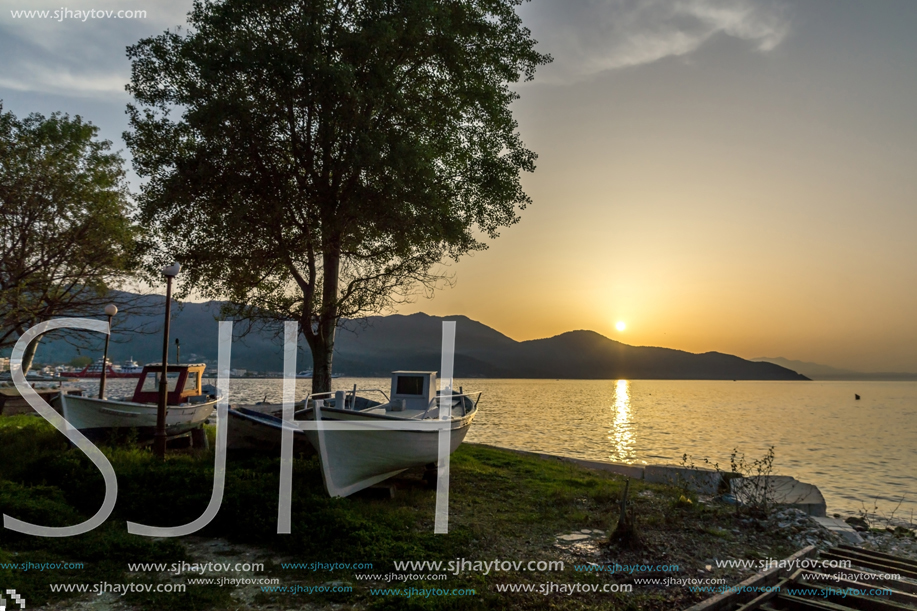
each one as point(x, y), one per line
point(159, 440)
point(177, 352)
point(110, 310)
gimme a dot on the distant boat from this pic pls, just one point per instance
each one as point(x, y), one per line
point(130, 366)
point(356, 459)
point(94, 370)
point(308, 374)
point(187, 405)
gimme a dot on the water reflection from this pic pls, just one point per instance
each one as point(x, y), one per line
point(622, 438)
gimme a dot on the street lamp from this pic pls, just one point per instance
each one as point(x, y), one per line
point(159, 440)
point(110, 310)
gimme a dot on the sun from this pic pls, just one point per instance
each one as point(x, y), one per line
point(620, 326)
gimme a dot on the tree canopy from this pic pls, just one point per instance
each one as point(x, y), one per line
point(66, 238)
point(328, 154)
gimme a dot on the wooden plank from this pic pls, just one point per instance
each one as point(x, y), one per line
point(900, 585)
point(728, 600)
point(868, 552)
point(765, 596)
point(756, 603)
point(796, 603)
point(855, 554)
point(851, 601)
point(886, 566)
point(895, 596)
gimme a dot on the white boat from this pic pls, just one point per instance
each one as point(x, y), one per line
point(186, 405)
point(356, 459)
point(130, 366)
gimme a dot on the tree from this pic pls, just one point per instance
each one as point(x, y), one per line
point(329, 153)
point(65, 235)
point(80, 361)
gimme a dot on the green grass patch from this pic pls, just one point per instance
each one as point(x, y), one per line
point(503, 505)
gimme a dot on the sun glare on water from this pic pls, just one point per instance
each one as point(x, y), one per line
point(620, 326)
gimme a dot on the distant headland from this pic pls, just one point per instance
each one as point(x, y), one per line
point(817, 371)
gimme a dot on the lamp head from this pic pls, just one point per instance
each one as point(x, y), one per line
point(172, 270)
point(111, 309)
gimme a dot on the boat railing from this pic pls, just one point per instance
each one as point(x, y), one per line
point(459, 395)
point(378, 390)
point(331, 393)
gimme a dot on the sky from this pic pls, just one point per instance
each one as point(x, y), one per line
point(718, 175)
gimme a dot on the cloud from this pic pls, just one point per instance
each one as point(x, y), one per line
point(75, 57)
point(591, 36)
point(86, 59)
point(56, 82)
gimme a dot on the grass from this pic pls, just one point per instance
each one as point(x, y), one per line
point(502, 506)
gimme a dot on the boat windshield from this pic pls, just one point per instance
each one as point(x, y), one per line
point(191, 383)
point(409, 385)
point(151, 382)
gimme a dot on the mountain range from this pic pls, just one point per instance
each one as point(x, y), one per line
point(376, 345)
point(827, 373)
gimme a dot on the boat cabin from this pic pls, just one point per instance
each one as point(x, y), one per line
point(416, 388)
point(183, 382)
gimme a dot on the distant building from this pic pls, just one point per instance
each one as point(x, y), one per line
point(4, 364)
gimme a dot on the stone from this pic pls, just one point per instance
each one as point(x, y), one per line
point(839, 528)
point(572, 537)
point(783, 490)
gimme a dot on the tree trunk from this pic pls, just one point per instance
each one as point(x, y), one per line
point(321, 363)
point(626, 534)
point(323, 344)
point(29, 355)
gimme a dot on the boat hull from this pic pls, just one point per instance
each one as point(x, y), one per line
point(354, 460)
point(254, 429)
point(12, 403)
point(97, 417)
